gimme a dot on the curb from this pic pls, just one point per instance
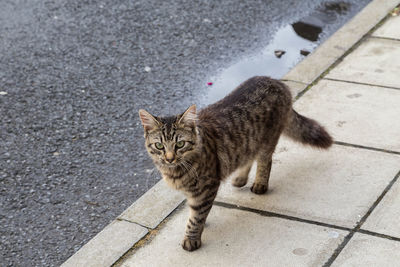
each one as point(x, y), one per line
point(150, 210)
point(154, 206)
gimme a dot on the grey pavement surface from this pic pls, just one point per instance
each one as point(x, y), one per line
point(72, 77)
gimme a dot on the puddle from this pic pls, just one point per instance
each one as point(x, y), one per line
point(264, 64)
point(296, 40)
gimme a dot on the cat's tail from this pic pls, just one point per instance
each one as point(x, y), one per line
point(307, 131)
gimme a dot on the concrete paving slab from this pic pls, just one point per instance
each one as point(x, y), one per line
point(108, 245)
point(365, 250)
point(243, 239)
point(356, 114)
point(385, 218)
point(374, 62)
point(336, 186)
point(390, 29)
point(327, 53)
point(154, 206)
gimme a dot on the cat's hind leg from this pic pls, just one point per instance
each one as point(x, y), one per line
point(264, 162)
point(260, 185)
point(242, 176)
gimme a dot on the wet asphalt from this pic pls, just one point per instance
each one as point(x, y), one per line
point(73, 75)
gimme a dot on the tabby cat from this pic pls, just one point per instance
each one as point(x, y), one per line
point(195, 151)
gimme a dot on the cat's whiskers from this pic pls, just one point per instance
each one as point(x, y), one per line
point(186, 166)
point(190, 170)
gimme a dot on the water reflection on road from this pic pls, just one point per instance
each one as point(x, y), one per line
point(266, 63)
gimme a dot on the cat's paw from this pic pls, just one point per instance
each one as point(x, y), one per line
point(259, 189)
point(191, 244)
point(239, 181)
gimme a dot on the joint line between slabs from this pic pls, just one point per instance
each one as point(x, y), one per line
point(357, 228)
point(278, 215)
point(384, 38)
point(366, 147)
point(361, 83)
point(377, 201)
point(366, 232)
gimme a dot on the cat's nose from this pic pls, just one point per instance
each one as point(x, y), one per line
point(169, 156)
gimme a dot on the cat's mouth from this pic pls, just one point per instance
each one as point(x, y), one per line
point(170, 165)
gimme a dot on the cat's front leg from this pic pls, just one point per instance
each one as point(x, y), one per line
point(200, 204)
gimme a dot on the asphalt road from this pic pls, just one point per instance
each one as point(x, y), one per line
point(73, 75)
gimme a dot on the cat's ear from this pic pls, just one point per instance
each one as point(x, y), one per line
point(189, 117)
point(148, 120)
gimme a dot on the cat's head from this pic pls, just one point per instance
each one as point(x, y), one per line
point(170, 140)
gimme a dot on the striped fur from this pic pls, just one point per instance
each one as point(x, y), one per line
point(224, 137)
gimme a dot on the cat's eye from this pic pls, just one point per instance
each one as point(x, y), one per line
point(180, 144)
point(159, 145)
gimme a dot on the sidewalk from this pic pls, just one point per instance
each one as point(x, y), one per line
point(339, 207)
